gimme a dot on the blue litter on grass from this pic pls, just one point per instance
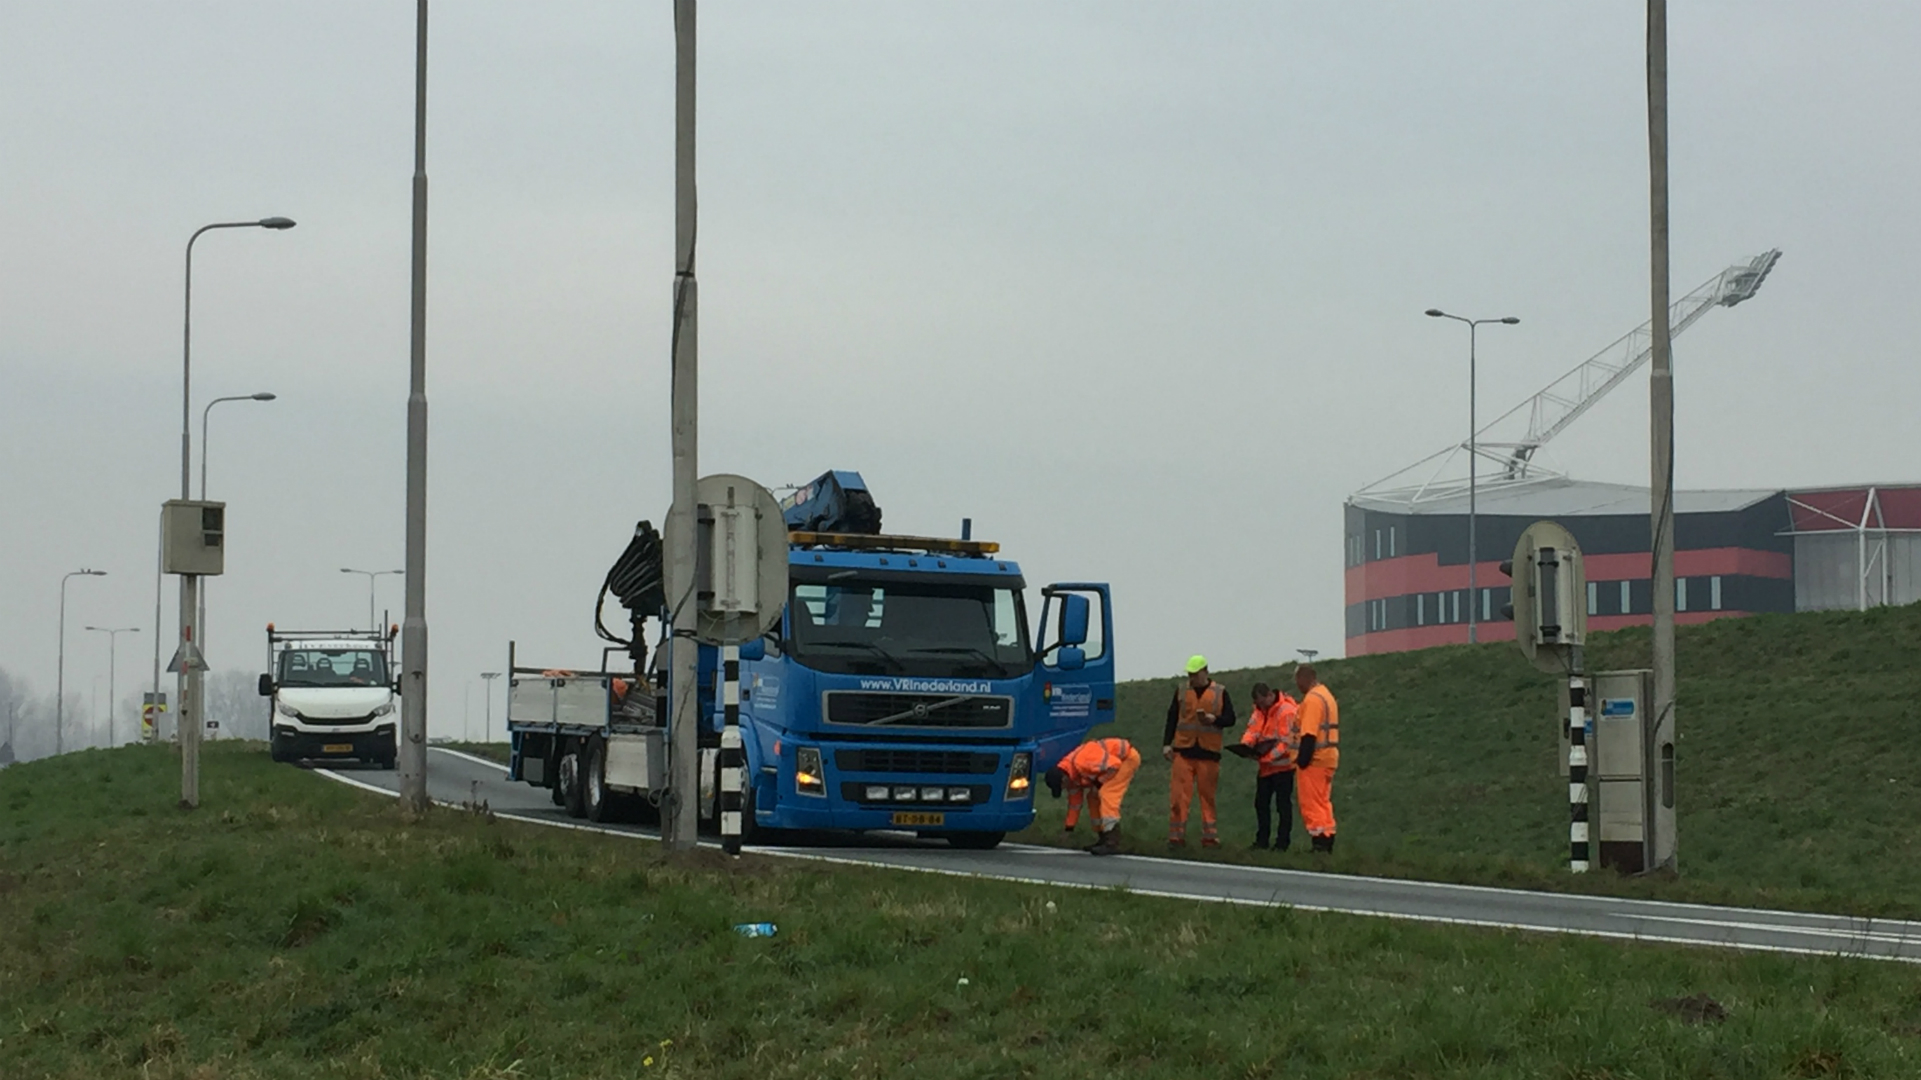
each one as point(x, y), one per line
point(756, 929)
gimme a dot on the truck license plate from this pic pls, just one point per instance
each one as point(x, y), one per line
point(920, 819)
point(337, 748)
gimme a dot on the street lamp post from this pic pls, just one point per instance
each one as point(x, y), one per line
point(189, 684)
point(113, 641)
point(487, 728)
point(373, 621)
point(60, 678)
point(200, 614)
point(1473, 470)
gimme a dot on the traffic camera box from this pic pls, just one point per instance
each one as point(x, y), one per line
point(193, 537)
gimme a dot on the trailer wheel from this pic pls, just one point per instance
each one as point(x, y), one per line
point(570, 787)
point(976, 841)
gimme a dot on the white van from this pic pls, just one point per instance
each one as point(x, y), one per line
point(334, 695)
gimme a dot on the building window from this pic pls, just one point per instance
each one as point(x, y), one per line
point(1627, 598)
point(1390, 541)
point(1714, 593)
point(1455, 599)
point(1680, 594)
point(1420, 609)
point(1377, 543)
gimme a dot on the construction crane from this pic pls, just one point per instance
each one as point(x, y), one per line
point(1564, 400)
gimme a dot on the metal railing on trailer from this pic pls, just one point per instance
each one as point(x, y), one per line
point(557, 704)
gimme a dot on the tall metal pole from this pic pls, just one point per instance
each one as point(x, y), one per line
point(683, 759)
point(1661, 382)
point(413, 639)
point(1473, 478)
point(60, 677)
point(113, 642)
point(159, 575)
point(201, 615)
point(486, 732)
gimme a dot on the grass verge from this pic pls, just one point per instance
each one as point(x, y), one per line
point(297, 928)
point(1798, 766)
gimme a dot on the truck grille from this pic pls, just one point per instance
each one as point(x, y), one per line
point(919, 710)
point(339, 721)
point(961, 762)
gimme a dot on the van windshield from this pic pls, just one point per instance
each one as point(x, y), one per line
point(332, 667)
point(910, 628)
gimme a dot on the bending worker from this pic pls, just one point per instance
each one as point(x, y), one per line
point(1196, 717)
point(1320, 755)
point(1103, 767)
point(1273, 734)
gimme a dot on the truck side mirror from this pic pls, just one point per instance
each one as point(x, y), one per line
point(1074, 614)
point(1070, 658)
point(266, 685)
point(754, 650)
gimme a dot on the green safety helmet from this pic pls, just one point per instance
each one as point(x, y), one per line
point(1196, 663)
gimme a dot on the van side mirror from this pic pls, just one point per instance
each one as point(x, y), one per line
point(1074, 615)
point(266, 685)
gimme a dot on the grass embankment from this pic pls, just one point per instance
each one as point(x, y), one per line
point(296, 928)
point(1798, 765)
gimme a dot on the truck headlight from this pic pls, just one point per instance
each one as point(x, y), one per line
point(286, 710)
point(809, 778)
point(1020, 776)
point(384, 710)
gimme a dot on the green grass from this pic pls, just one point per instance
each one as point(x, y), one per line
point(297, 928)
point(492, 751)
point(1798, 765)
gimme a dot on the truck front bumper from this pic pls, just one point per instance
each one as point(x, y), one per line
point(794, 813)
point(377, 744)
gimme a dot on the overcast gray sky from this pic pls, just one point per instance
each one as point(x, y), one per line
point(1136, 287)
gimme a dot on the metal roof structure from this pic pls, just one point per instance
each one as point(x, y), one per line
point(1560, 497)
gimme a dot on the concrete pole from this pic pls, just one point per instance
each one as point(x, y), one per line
point(683, 759)
point(412, 751)
point(1661, 382)
point(486, 732)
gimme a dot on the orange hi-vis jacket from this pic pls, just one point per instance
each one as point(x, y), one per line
point(1193, 728)
point(1321, 718)
point(1090, 765)
point(1280, 723)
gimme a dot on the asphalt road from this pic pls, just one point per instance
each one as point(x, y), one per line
point(457, 778)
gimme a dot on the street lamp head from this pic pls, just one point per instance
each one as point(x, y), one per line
point(1435, 313)
point(265, 396)
point(275, 223)
point(94, 573)
point(1510, 321)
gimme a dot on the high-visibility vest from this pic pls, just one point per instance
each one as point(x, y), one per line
point(1321, 718)
point(1280, 723)
point(1194, 730)
point(1093, 763)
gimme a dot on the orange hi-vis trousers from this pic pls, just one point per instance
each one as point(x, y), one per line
point(1189, 774)
point(1315, 788)
point(1105, 796)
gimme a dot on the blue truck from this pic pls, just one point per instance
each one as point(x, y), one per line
point(905, 687)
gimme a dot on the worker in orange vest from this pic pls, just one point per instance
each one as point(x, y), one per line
point(1272, 736)
point(1103, 769)
point(1319, 756)
point(1196, 717)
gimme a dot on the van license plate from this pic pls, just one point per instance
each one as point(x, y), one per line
point(337, 748)
point(920, 819)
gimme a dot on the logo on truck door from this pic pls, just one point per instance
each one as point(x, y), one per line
point(1068, 702)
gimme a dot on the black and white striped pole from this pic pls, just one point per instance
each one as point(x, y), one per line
point(1577, 764)
point(733, 760)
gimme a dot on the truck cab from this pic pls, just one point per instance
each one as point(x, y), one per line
point(332, 695)
point(908, 686)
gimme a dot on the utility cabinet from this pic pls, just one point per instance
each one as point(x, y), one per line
point(1630, 771)
point(194, 535)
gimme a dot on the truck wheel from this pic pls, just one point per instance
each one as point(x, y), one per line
point(976, 841)
point(570, 786)
point(597, 803)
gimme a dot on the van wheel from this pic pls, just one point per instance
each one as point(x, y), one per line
point(976, 841)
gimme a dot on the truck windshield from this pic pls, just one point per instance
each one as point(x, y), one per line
point(910, 628)
point(332, 667)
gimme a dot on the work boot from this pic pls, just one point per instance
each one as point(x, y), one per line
point(1258, 845)
point(1324, 844)
point(1108, 844)
point(1210, 842)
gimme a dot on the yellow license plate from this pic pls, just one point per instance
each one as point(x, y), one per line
point(337, 748)
point(920, 819)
